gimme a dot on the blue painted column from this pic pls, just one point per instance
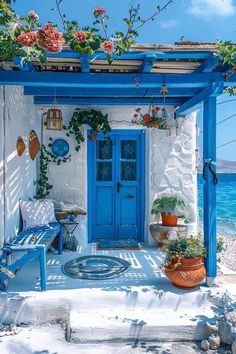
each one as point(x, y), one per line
point(209, 152)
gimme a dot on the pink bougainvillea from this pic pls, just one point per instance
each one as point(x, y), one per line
point(33, 15)
point(108, 46)
point(81, 36)
point(99, 11)
point(50, 39)
point(27, 39)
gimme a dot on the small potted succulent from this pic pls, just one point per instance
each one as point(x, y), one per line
point(170, 208)
point(184, 261)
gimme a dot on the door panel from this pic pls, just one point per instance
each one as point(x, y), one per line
point(116, 186)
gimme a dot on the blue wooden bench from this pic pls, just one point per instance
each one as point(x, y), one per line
point(34, 244)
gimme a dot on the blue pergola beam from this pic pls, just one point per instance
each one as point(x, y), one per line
point(90, 92)
point(24, 67)
point(136, 55)
point(209, 64)
point(213, 89)
point(110, 80)
point(148, 62)
point(84, 60)
point(104, 101)
point(209, 152)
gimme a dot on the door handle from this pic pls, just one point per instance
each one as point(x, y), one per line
point(118, 187)
point(129, 196)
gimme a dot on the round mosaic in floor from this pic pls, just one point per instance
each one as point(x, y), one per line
point(95, 267)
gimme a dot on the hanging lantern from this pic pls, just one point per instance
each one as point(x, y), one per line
point(54, 119)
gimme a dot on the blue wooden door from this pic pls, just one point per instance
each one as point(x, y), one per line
point(116, 186)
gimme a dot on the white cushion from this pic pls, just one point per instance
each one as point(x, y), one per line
point(49, 209)
point(37, 212)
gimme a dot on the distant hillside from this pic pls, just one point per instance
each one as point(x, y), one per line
point(224, 166)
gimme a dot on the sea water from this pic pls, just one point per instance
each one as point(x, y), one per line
point(225, 203)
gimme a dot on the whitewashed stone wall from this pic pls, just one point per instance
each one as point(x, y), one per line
point(20, 172)
point(173, 165)
point(170, 163)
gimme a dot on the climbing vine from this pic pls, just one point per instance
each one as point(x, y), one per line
point(226, 51)
point(43, 185)
point(95, 119)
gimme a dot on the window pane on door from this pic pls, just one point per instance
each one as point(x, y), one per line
point(128, 171)
point(104, 171)
point(104, 149)
point(128, 149)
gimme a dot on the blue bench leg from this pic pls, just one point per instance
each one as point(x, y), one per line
point(60, 241)
point(43, 274)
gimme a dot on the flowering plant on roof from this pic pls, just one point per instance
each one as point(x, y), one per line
point(154, 118)
point(24, 37)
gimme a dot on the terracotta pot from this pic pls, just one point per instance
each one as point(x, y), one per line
point(169, 220)
point(188, 274)
point(152, 125)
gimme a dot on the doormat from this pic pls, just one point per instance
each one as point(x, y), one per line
point(118, 245)
point(95, 267)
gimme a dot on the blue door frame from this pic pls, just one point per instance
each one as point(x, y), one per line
point(116, 206)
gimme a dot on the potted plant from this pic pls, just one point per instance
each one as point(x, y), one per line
point(170, 208)
point(184, 261)
point(155, 118)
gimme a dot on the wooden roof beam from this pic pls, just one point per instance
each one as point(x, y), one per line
point(105, 101)
point(115, 92)
point(108, 80)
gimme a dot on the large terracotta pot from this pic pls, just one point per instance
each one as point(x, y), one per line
point(188, 274)
point(169, 220)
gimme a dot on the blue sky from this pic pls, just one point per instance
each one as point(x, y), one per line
point(196, 20)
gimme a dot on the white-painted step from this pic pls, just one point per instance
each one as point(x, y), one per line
point(148, 325)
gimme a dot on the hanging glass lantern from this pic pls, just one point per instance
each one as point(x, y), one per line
point(54, 119)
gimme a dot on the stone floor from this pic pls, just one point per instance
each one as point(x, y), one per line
point(142, 297)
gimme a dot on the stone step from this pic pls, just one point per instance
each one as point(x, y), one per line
point(146, 325)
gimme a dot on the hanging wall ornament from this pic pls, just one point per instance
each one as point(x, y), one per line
point(54, 120)
point(34, 144)
point(20, 146)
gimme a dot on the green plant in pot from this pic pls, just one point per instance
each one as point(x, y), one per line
point(170, 208)
point(184, 261)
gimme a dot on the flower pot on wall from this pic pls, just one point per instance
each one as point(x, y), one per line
point(189, 273)
point(169, 219)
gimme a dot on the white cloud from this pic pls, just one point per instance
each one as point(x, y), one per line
point(168, 24)
point(210, 8)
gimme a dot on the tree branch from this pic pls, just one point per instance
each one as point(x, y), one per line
point(154, 15)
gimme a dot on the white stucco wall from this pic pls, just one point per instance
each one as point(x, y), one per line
point(170, 162)
point(20, 172)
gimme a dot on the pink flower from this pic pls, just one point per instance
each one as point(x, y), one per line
point(99, 11)
point(135, 115)
point(133, 120)
point(50, 39)
point(108, 46)
point(81, 36)
point(33, 15)
point(138, 109)
point(27, 39)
